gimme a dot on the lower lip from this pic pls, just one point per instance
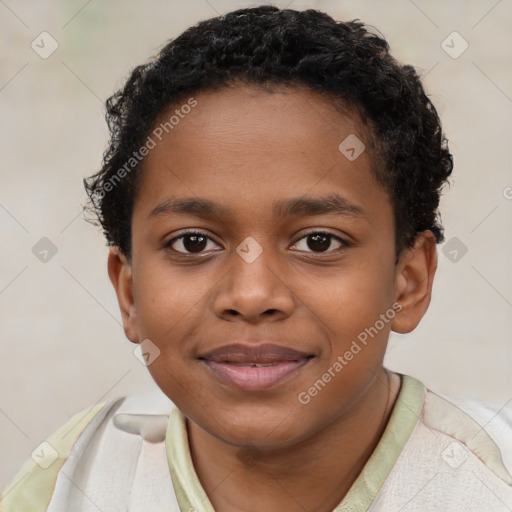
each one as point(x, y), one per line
point(255, 378)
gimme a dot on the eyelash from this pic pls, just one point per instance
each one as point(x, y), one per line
point(344, 243)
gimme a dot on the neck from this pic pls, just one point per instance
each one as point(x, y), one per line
point(312, 475)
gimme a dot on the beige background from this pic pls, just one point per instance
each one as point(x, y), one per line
point(63, 347)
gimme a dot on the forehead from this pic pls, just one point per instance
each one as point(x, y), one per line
point(262, 111)
point(246, 143)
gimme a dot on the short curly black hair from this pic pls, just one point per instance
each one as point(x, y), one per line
point(266, 45)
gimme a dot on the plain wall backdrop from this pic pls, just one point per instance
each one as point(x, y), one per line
point(63, 346)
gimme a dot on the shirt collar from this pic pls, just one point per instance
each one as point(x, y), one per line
point(403, 419)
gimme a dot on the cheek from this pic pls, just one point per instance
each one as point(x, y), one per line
point(353, 298)
point(357, 310)
point(167, 299)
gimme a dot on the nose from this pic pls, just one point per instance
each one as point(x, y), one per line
point(254, 292)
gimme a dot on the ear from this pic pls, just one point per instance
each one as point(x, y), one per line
point(120, 273)
point(414, 278)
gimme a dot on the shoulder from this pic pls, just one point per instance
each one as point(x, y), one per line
point(32, 486)
point(482, 430)
point(457, 457)
point(56, 464)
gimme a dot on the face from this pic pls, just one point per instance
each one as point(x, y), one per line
point(260, 253)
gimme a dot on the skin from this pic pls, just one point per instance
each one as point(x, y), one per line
point(247, 148)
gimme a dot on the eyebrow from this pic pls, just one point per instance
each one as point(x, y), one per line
point(305, 206)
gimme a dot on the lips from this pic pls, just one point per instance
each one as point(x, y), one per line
point(255, 367)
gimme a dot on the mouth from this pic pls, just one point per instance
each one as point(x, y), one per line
point(255, 368)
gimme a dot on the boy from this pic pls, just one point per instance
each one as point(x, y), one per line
point(270, 197)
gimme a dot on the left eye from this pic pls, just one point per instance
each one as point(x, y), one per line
point(320, 242)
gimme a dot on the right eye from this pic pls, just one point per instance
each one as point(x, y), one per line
point(190, 242)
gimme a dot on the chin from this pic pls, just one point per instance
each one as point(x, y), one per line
point(269, 433)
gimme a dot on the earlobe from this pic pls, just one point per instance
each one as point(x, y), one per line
point(120, 273)
point(414, 278)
